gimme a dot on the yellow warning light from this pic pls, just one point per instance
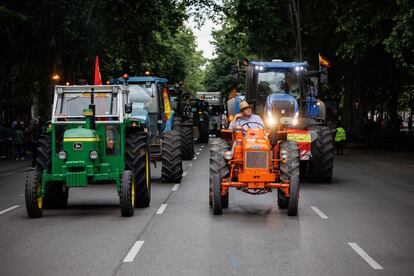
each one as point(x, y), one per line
point(56, 77)
point(147, 73)
point(107, 82)
point(67, 83)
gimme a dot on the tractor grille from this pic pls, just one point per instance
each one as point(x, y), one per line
point(256, 160)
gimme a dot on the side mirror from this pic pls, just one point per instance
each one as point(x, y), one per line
point(128, 108)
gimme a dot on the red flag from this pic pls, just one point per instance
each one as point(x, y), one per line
point(323, 61)
point(97, 79)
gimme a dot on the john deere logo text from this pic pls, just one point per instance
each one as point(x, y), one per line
point(77, 146)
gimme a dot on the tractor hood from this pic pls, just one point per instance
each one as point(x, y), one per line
point(80, 135)
point(281, 105)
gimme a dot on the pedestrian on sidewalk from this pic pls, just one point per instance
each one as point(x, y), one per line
point(340, 138)
point(18, 142)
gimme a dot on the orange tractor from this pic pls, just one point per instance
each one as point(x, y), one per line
point(245, 158)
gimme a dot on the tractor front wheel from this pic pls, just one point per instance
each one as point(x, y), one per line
point(282, 200)
point(216, 194)
point(187, 142)
point(34, 201)
point(203, 129)
point(218, 166)
point(293, 196)
point(127, 194)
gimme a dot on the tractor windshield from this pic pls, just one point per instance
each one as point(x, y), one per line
point(71, 105)
point(146, 95)
point(276, 82)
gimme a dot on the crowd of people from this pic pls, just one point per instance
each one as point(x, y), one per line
point(19, 139)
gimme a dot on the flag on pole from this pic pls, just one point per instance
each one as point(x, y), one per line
point(323, 61)
point(97, 78)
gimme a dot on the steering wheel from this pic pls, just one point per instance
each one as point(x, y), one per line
point(248, 125)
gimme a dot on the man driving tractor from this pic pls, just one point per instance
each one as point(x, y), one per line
point(245, 116)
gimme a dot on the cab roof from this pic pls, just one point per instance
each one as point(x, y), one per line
point(141, 79)
point(280, 65)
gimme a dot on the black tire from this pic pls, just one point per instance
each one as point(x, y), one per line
point(56, 194)
point(172, 167)
point(127, 194)
point(294, 196)
point(177, 124)
point(187, 142)
point(137, 159)
point(44, 153)
point(289, 170)
point(216, 194)
point(218, 166)
point(203, 131)
point(321, 162)
point(34, 202)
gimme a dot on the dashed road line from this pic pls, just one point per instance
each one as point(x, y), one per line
point(175, 188)
point(9, 209)
point(184, 173)
point(198, 153)
point(195, 158)
point(365, 256)
point(133, 252)
point(189, 165)
point(202, 146)
point(319, 212)
point(161, 209)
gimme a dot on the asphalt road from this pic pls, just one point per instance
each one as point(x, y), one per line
point(361, 224)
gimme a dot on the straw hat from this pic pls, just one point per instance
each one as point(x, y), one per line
point(243, 105)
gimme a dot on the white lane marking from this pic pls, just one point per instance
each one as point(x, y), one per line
point(161, 209)
point(189, 165)
point(176, 186)
point(202, 146)
point(200, 149)
point(364, 255)
point(21, 194)
point(198, 153)
point(184, 173)
point(195, 158)
point(9, 209)
point(319, 212)
point(133, 252)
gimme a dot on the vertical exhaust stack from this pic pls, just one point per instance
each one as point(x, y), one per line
point(91, 119)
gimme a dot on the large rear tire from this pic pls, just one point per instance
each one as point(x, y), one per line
point(127, 194)
point(172, 167)
point(218, 166)
point(289, 170)
point(321, 162)
point(137, 158)
point(187, 142)
point(33, 199)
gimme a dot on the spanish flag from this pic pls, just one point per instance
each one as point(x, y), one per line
point(97, 78)
point(323, 61)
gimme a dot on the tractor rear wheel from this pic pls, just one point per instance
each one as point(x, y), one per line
point(34, 202)
point(282, 200)
point(177, 124)
point(56, 194)
point(203, 130)
point(216, 194)
point(321, 162)
point(127, 194)
point(172, 166)
point(187, 142)
point(289, 170)
point(137, 159)
point(218, 166)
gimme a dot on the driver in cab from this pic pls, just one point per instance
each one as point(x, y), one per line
point(245, 116)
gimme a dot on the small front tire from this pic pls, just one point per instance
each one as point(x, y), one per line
point(127, 194)
point(293, 196)
point(216, 194)
point(34, 201)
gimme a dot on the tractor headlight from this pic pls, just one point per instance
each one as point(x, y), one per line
point(93, 154)
point(61, 155)
point(228, 155)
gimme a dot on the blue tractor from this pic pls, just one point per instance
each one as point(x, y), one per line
point(148, 100)
point(283, 92)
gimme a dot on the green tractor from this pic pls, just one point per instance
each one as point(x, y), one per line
point(91, 139)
